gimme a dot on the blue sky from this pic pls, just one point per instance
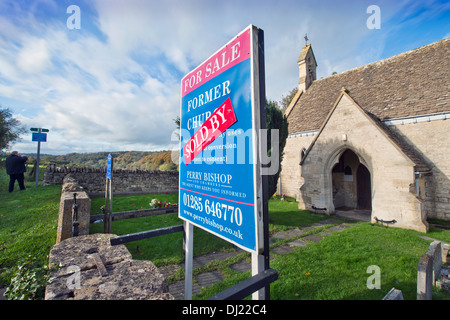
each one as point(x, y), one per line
point(114, 83)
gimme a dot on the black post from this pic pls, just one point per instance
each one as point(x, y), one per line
point(265, 198)
point(75, 216)
point(37, 160)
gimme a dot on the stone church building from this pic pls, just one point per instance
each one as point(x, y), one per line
point(375, 138)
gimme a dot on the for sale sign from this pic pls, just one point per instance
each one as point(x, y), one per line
point(220, 188)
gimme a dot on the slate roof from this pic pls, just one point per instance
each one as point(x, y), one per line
point(419, 164)
point(413, 83)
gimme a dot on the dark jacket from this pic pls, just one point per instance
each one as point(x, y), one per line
point(15, 164)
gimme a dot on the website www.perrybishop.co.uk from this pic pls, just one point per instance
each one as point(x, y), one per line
point(211, 222)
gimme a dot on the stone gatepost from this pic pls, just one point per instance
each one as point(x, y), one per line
point(65, 220)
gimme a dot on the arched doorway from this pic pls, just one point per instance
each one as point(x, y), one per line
point(351, 184)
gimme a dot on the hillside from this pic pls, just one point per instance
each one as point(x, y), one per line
point(152, 160)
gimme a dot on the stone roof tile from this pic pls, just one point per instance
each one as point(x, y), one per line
point(412, 83)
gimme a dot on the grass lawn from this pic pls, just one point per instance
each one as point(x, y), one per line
point(28, 221)
point(336, 267)
point(168, 249)
point(332, 269)
point(161, 250)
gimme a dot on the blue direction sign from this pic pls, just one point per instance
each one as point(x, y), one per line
point(219, 181)
point(39, 136)
point(108, 167)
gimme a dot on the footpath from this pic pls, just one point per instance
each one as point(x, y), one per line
point(285, 242)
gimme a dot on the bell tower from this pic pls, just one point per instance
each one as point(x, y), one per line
point(307, 67)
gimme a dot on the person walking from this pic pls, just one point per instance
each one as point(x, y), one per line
point(15, 167)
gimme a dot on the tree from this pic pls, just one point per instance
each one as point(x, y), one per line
point(177, 121)
point(286, 100)
point(275, 120)
point(10, 128)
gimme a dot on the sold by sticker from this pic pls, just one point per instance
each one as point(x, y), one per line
point(213, 127)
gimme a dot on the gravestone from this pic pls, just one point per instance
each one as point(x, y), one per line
point(428, 271)
point(394, 294)
point(434, 250)
point(425, 277)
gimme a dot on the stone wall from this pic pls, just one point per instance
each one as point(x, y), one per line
point(291, 179)
point(431, 140)
point(89, 268)
point(392, 174)
point(428, 139)
point(123, 181)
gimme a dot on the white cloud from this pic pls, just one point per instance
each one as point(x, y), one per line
point(34, 56)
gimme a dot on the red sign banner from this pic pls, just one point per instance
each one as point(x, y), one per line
point(222, 118)
point(236, 51)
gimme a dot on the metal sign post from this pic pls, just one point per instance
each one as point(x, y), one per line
point(221, 184)
point(39, 135)
point(107, 219)
point(188, 258)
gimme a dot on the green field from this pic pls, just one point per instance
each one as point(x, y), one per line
point(28, 221)
point(333, 269)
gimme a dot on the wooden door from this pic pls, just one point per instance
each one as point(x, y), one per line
point(364, 190)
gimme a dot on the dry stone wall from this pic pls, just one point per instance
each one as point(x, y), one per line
point(123, 181)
